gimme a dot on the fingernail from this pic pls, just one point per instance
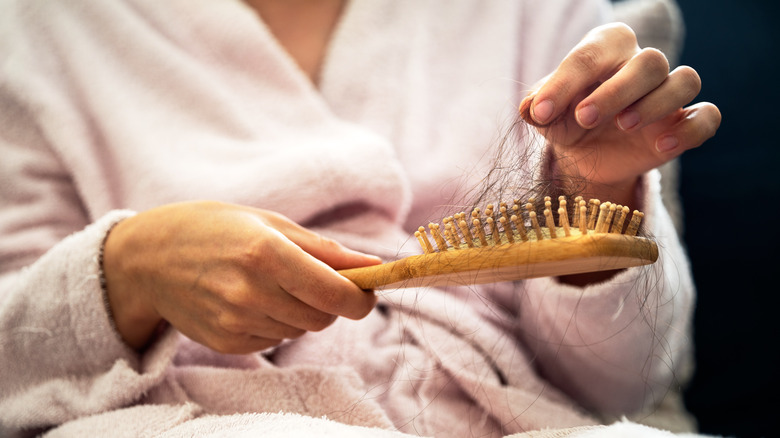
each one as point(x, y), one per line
point(587, 116)
point(628, 119)
point(542, 111)
point(666, 143)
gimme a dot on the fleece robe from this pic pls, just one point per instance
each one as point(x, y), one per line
point(110, 108)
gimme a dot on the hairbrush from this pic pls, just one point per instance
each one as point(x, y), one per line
point(509, 243)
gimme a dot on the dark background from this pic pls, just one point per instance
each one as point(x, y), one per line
point(730, 189)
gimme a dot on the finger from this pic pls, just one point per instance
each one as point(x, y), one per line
point(679, 89)
point(327, 250)
point(318, 285)
point(643, 73)
point(240, 344)
point(306, 318)
point(223, 341)
point(290, 312)
point(696, 124)
point(264, 308)
point(261, 320)
point(595, 59)
point(303, 275)
point(333, 253)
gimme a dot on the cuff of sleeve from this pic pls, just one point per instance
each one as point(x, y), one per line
point(68, 360)
point(93, 328)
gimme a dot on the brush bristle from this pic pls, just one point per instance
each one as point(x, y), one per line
point(510, 225)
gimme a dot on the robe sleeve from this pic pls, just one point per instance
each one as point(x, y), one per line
point(60, 356)
point(620, 346)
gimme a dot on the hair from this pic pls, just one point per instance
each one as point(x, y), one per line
point(515, 174)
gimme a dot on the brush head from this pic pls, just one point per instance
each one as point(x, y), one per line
point(522, 223)
point(510, 243)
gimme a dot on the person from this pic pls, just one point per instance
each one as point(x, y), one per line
point(182, 180)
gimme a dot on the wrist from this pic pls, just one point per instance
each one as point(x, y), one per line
point(133, 316)
point(621, 193)
point(566, 175)
point(567, 178)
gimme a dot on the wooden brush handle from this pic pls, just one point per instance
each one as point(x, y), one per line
point(509, 262)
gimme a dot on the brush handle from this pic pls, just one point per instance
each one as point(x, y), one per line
point(509, 262)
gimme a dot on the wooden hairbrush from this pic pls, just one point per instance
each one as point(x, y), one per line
point(510, 244)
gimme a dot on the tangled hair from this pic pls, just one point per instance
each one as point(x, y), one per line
point(522, 167)
point(520, 170)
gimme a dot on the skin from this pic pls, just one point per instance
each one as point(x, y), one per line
point(302, 27)
point(612, 111)
point(238, 279)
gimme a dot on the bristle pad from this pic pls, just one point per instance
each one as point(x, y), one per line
point(497, 227)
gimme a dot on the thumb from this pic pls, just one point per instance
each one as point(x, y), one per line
point(332, 253)
point(329, 251)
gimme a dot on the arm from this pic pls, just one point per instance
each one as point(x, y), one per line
point(58, 351)
point(611, 112)
point(620, 345)
point(53, 315)
point(53, 319)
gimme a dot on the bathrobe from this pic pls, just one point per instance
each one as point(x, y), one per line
point(112, 108)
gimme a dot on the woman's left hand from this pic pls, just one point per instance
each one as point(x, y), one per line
point(612, 111)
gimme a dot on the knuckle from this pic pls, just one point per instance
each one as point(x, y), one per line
point(258, 250)
point(277, 218)
point(328, 244)
point(321, 321)
point(690, 81)
point(654, 60)
point(587, 58)
point(229, 323)
point(623, 32)
point(249, 255)
point(237, 293)
point(295, 334)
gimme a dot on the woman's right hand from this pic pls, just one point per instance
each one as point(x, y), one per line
point(233, 278)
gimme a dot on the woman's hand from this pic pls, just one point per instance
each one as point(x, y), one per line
point(235, 279)
point(612, 111)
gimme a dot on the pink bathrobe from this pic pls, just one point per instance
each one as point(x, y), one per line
point(112, 107)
